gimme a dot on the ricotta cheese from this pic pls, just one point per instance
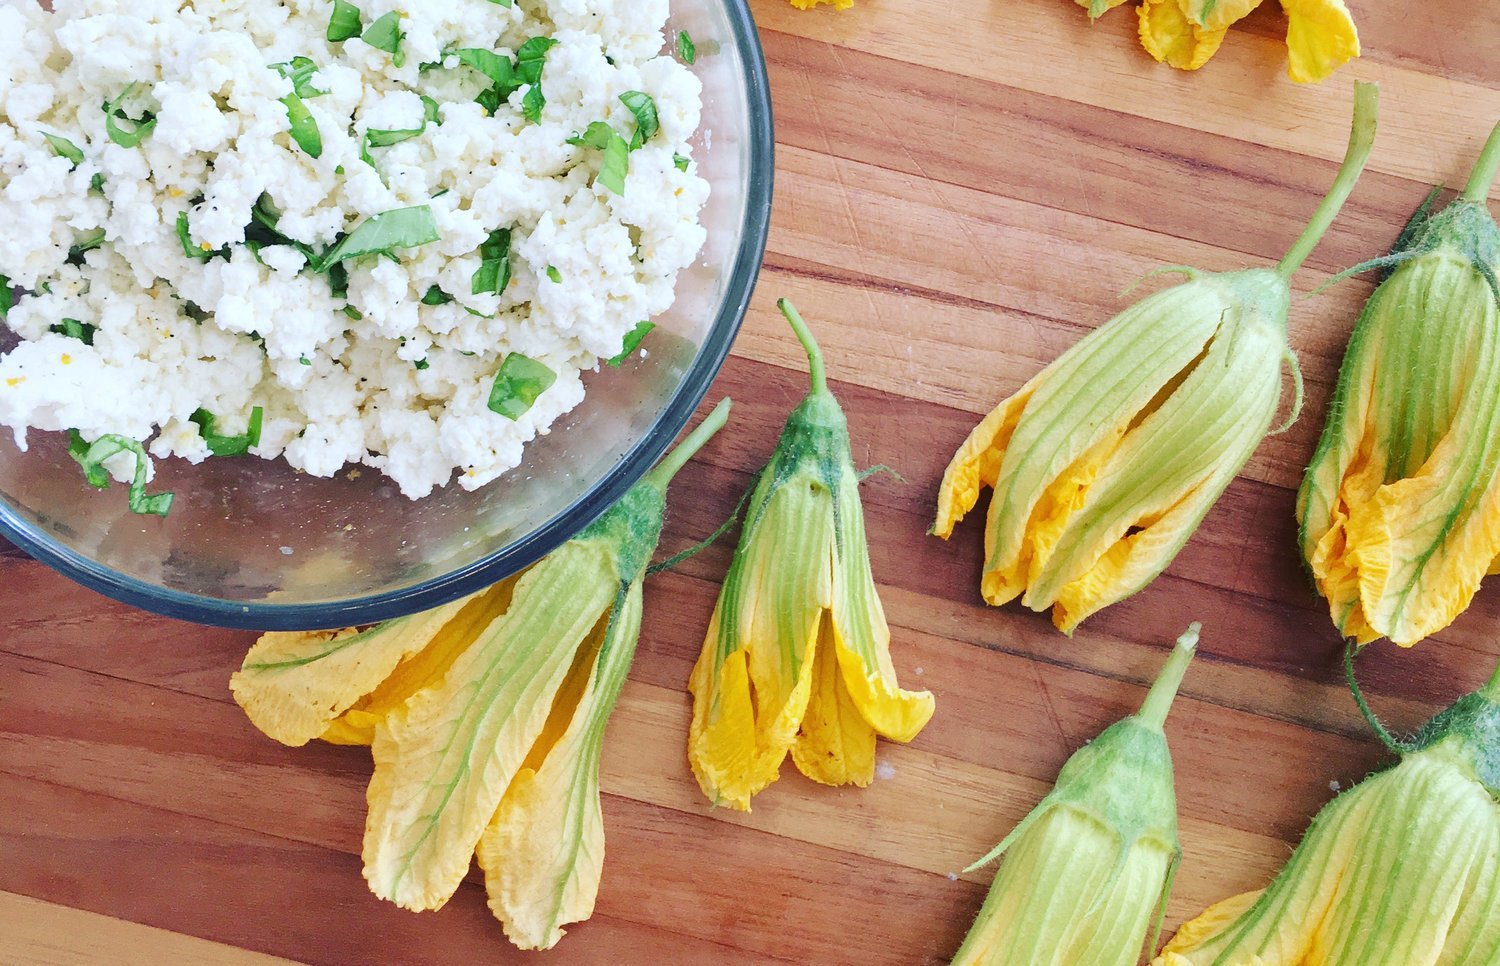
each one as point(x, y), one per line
point(218, 208)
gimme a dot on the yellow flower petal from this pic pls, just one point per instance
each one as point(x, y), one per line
point(756, 666)
point(543, 853)
point(809, 4)
point(1320, 38)
point(977, 462)
point(1171, 36)
point(423, 669)
point(445, 758)
point(836, 745)
point(293, 685)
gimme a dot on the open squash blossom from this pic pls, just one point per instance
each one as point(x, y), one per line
point(1320, 34)
point(1103, 464)
point(1403, 869)
point(1087, 872)
point(797, 656)
point(486, 719)
point(1399, 513)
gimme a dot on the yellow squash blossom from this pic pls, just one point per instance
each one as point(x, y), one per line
point(1400, 510)
point(1401, 870)
point(1320, 35)
point(1087, 872)
point(1103, 464)
point(797, 656)
point(486, 719)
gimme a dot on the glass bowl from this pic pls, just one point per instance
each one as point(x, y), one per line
point(252, 543)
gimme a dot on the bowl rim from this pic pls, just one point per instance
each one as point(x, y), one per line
point(564, 525)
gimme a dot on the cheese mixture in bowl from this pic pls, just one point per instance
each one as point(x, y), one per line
point(336, 232)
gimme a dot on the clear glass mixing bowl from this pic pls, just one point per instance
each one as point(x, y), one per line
point(251, 543)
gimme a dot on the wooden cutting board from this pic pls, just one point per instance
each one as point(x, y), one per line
point(963, 189)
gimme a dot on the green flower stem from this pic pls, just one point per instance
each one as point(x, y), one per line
point(1485, 169)
point(814, 354)
point(1491, 689)
point(1361, 139)
point(1159, 699)
point(689, 447)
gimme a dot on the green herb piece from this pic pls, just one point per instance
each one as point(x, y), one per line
point(379, 138)
point(353, 313)
point(519, 382)
point(299, 71)
point(228, 445)
point(7, 296)
point(195, 252)
point(382, 234)
point(74, 329)
point(681, 162)
point(65, 148)
point(554, 274)
point(431, 111)
point(91, 457)
point(686, 49)
point(87, 242)
point(304, 360)
point(502, 3)
point(421, 364)
point(304, 126)
point(500, 70)
point(126, 137)
point(96, 183)
point(493, 273)
point(386, 34)
point(263, 230)
point(344, 24)
point(647, 122)
point(633, 340)
point(436, 296)
point(529, 62)
point(616, 164)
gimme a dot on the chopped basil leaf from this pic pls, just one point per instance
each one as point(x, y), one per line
point(228, 445)
point(518, 384)
point(500, 70)
point(529, 62)
point(114, 114)
point(65, 148)
point(686, 49)
point(647, 122)
point(299, 71)
point(554, 274)
point(304, 360)
point(502, 3)
point(681, 162)
point(383, 139)
point(87, 242)
point(7, 296)
point(91, 457)
point(421, 364)
point(74, 329)
point(304, 126)
point(401, 228)
point(431, 111)
point(263, 231)
point(353, 313)
point(344, 24)
point(386, 34)
point(96, 183)
point(199, 252)
point(436, 296)
point(632, 342)
point(493, 273)
point(616, 164)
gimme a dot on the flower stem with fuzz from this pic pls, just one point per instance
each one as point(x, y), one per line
point(814, 354)
point(1361, 140)
point(1485, 169)
point(1159, 699)
point(663, 472)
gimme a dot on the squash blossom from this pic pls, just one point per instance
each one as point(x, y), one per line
point(1087, 872)
point(797, 655)
point(1399, 513)
point(1403, 869)
point(1104, 463)
point(1320, 34)
point(486, 719)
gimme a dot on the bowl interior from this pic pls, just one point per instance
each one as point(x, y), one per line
point(253, 543)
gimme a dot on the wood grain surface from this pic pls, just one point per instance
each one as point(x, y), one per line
point(964, 187)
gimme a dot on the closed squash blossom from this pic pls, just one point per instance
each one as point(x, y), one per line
point(1399, 513)
point(1085, 875)
point(485, 719)
point(1103, 465)
point(1401, 870)
point(797, 655)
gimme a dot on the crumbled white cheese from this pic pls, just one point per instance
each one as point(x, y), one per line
point(337, 377)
